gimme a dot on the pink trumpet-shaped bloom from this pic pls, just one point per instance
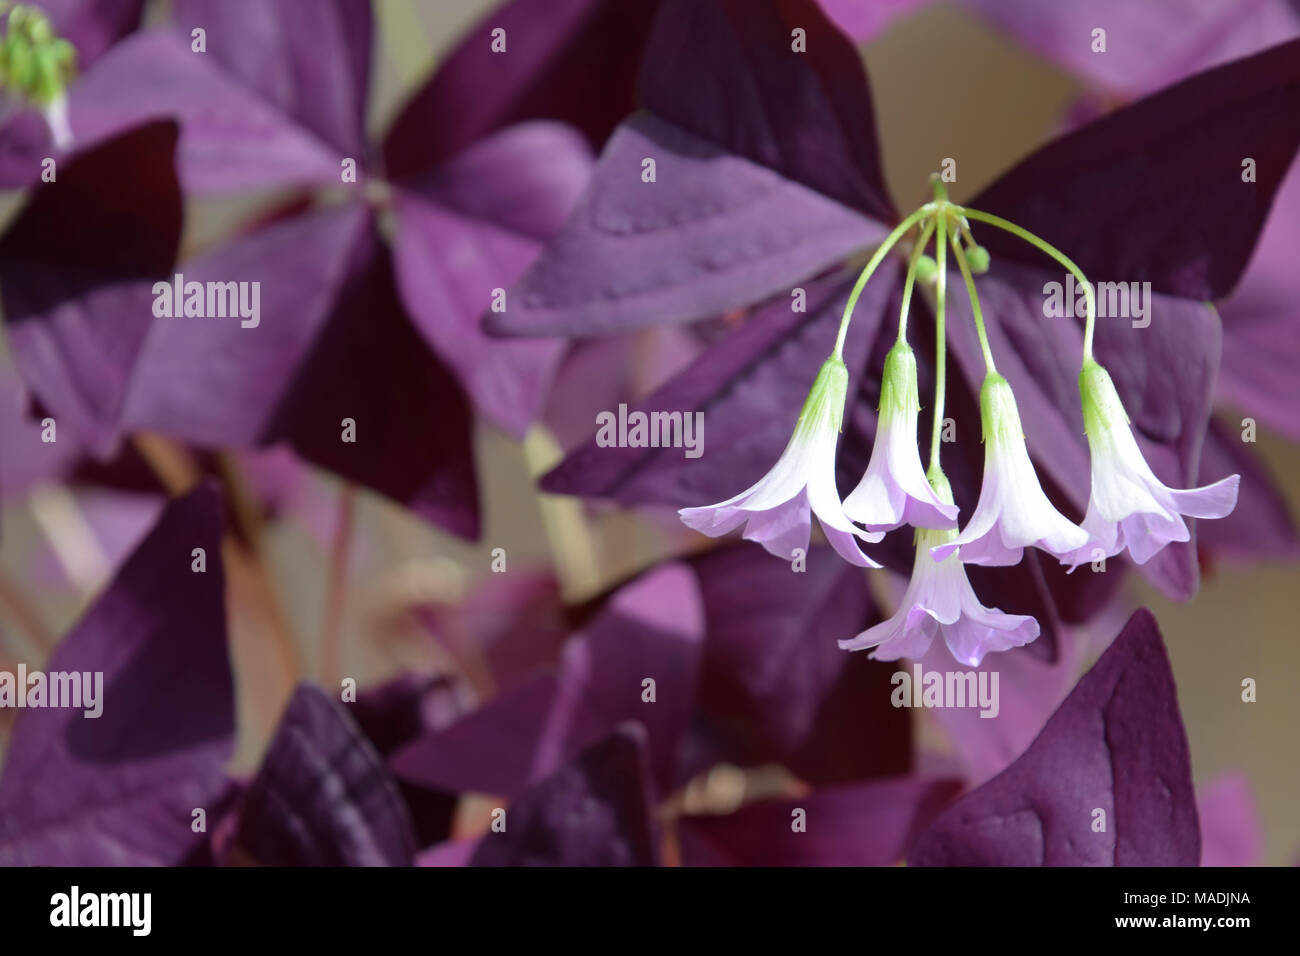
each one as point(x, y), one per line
point(1012, 513)
point(894, 491)
point(1128, 506)
point(939, 600)
point(776, 510)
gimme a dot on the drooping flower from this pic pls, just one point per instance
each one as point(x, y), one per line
point(939, 600)
point(775, 510)
point(894, 490)
point(1013, 513)
point(1129, 507)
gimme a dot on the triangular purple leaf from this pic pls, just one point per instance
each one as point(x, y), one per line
point(76, 268)
point(727, 72)
point(322, 796)
point(473, 226)
point(867, 825)
point(231, 137)
point(122, 788)
point(596, 811)
point(712, 232)
point(309, 57)
point(554, 50)
point(776, 687)
point(1107, 782)
point(332, 343)
point(749, 386)
point(1155, 192)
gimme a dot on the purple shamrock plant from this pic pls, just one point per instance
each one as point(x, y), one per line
point(637, 252)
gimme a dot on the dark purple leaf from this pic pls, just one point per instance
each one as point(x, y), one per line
point(868, 825)
point(120, 789)
point(490, 750)
point(403, 708)
point(776, 687)
point(311, 58)
point(398, 711)
point(473, 226)
point(76, 268)
point(322, 796)
point(596, 811)
point(568, 60)
point(727, 72)
point(1116, 745)
point(651, 628)
point(332, 343)
point(1154, 191)
point(750, 387)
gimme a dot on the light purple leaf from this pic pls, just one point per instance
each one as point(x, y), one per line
point(1116, 745)
point(1231, 834)
point(865, 21)
point(712, 232)
point(473, 226)
point(1148, 45)
point(1027, 693)
point(120, 789)
point(231, 138)
point(1261, 322)
point(311, 58)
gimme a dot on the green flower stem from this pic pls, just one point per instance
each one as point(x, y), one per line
point(926, 231)
point(940, 335)
point(890, 241)
point(975, 309)
point(1062, 258)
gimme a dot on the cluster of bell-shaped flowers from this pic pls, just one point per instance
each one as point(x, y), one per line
point(1129, 507)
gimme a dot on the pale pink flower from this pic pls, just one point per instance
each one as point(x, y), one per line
point(776, 510)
